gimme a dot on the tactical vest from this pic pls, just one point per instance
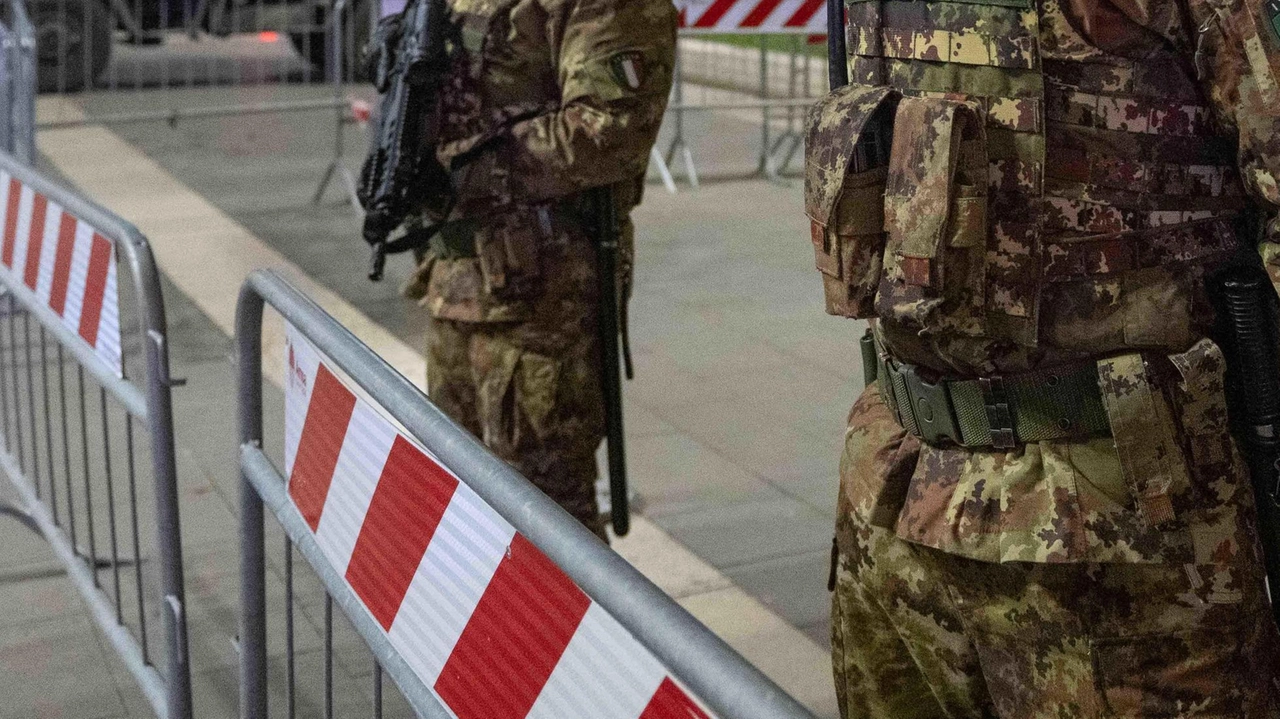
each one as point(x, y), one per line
point(1019, 164)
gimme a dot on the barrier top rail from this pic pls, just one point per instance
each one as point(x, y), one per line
point(753, 17)
point(701, 661)
point(24, 189)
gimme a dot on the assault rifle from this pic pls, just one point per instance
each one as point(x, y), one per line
point(604, 215)
point(402, 168)
point(1249, 332)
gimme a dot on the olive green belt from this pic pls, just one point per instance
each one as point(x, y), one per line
point(991, 412)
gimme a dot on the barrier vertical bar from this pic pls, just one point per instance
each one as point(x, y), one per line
point(8, 51)
point(253, 561)
point(165, 464)
point(23, 79)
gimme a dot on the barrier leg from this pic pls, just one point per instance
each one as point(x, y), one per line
point(337, 168)
point(766, 162)
point(679, 147)
point(660, 163)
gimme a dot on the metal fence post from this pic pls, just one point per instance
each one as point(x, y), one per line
point(165, 465)
point(679, 143)
point(253, 563)
point(337, 168)
point(791, 139)
point(25, 102)
point(766, 164)
point(19, 81)
point(8, 41)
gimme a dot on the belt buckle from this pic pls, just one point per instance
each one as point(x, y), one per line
point(932, 407)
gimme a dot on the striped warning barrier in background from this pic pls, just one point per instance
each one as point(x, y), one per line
point(70, 268)
point(481, 615)
point(753, 16)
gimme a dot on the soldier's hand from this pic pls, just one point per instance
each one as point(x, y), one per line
point(378, 226)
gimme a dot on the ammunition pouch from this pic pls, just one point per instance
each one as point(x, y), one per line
point(508, 247)
point(845, 156)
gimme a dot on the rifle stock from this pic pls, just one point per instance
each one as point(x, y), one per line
point(605, 219)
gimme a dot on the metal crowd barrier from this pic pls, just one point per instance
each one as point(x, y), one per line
point(84, 403)
point(155, 45)
point(714, 77)
point(472, 590)
point(148, 61)
point(17, 82)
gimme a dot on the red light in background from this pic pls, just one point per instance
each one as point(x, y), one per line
point(268, 36)
point(361, 111)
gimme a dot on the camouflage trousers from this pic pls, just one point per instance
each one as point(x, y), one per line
point(532, 393)
point(921, 634)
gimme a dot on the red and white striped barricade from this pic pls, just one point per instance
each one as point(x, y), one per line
point(62, 261)
point(461, 595)
point(465, 611)
point(792, 17)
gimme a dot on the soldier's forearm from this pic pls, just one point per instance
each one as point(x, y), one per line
point(575, 148)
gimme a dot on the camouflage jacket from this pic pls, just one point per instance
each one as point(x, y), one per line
point(1062, 176)
point(547, 98)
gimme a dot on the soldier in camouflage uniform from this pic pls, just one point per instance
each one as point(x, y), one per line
point(546, 99)
point(1042, 511)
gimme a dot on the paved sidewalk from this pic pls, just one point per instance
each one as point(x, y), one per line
point(734, 421)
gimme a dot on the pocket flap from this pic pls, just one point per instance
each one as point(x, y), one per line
point(937, 144)
point(837, 125)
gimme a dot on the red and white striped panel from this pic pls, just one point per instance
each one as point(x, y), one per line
point(753, 16)
point(64, 264)
point(480, 614)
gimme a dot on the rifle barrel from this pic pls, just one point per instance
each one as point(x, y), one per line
point(837, 47)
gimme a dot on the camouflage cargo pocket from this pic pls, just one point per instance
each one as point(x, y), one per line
point(1148, 443)
point(845, 152)
point(1195, 673)
point(508, 248)
point(518, 392)
point(1220, 479)
point(934, 278)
